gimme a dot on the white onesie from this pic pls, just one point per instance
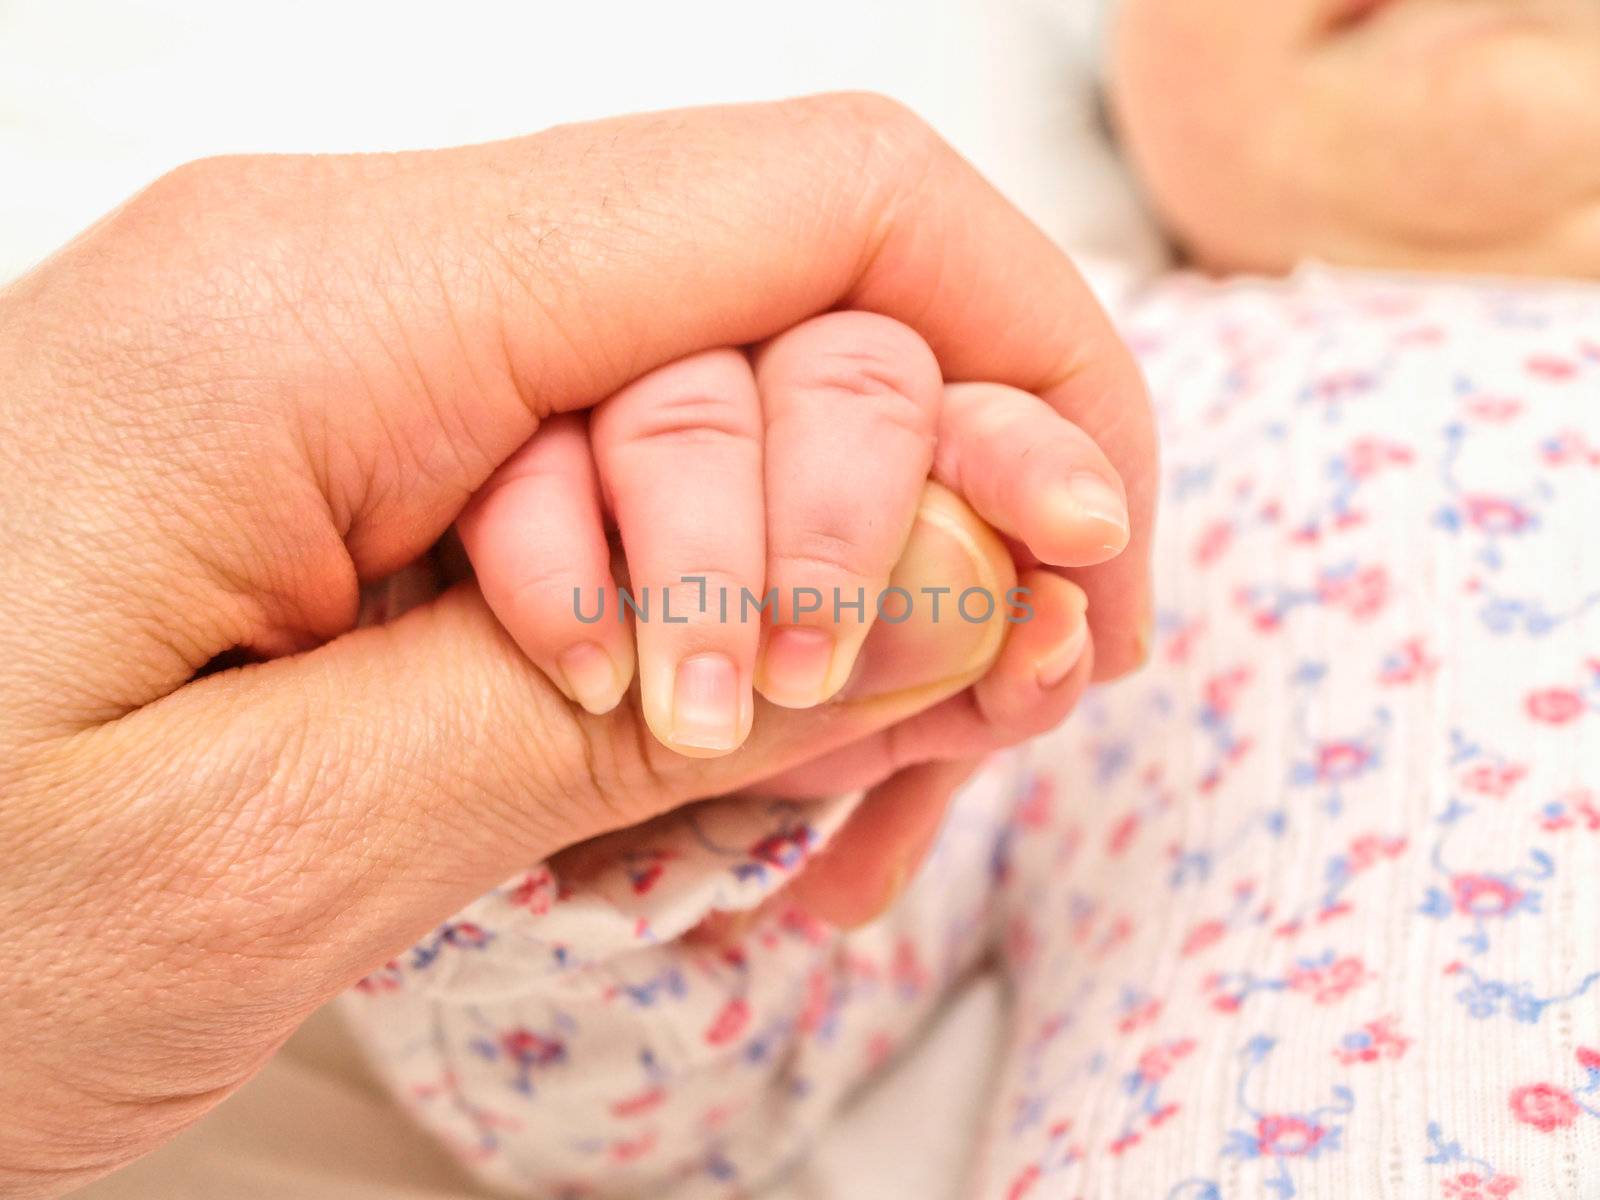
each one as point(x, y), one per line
point(1309, 907)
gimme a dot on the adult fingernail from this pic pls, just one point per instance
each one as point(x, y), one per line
point(1057, 662)
point(591, 676)
point(1086, 499)
point(705, 703)
point(1144, 638)
point(909, 647)
point(894, 885)
point(795, 665)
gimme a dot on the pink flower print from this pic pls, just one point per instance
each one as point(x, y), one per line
point(1181, 643)
point(1021, 941)
point(1213, 543)
point(1264, 620)
point(644, 876)
point(1569, 447)
point(1469, 1185)
point(784, 849)
point(1544, 1106)
point(1361, 593)
point(1338, 761)
point(1164, 1114)
point(1121, 835)
point(1555, 706)
point(1118, 931)
point(631, 1149)
point(1493, 779)
point(1037, 804)
point(1494, 514)
point(1373, 1041)
point(1287, 1136)
point(729, 1022)
point(1497, 409)
point(1422, 335)
point(536, 891)
point(909, 973)
point(1125, 1142)
point(1225, 1000)
point(531, 1049)
point(1205, 934)
point(1549, 366)
point(1571, 810)
point(1370, 849)
point(1328, 982)
point(1408, 663)
point(1341, 385)
point(467, 935)
point(385, 979)
point(1156, 1063)
point(1024, 1181)
point(880, 1049)
point(1485, 896)
point(1367, 455)
point(1222, 691)
point(640, 1102)
point(819, 1001)
point(1140, 1015)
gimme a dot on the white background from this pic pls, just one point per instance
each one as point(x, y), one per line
point(97, 98)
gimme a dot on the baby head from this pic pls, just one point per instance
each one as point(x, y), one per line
point(1428, 134)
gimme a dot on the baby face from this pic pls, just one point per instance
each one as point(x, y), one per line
point(1431, 134)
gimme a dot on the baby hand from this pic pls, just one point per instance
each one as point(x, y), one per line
point(762, 500)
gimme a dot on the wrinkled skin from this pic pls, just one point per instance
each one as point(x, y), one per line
point(266, 380)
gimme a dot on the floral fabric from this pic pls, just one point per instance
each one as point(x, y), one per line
point(1308, 908)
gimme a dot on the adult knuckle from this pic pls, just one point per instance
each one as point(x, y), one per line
point(193, 189)
point(536, 771)
point(622, 774)
point(875, 144)
point(567, 776)
point(556, 776)
point(882, 115)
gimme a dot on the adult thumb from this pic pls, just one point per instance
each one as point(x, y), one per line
point(317, 828)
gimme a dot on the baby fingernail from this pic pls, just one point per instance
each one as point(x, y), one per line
point(705, 703)
point(794, 667)
point(591, 676)
point(1087, 498)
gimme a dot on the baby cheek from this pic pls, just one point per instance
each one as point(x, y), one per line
point(1488, 141)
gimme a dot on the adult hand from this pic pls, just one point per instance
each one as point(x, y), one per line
point(266, 379)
